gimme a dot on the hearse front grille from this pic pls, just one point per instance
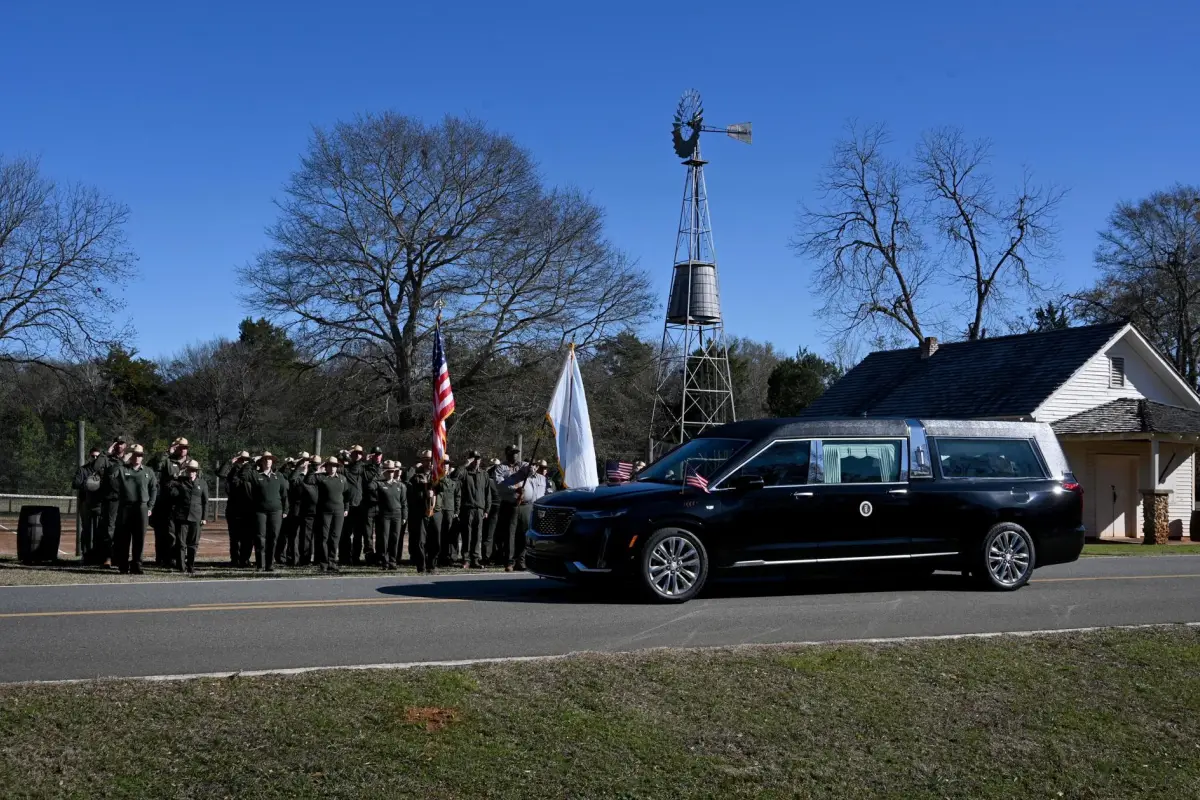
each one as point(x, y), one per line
point(551, 520)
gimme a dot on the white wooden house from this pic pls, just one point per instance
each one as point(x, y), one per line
point(1128, 422)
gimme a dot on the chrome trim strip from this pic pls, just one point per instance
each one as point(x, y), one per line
point(761, 563)
point(579, 567)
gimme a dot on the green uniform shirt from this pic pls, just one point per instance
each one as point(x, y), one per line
point(268, 492)
point(333, 492)
point(138, 486)
point(392, 499)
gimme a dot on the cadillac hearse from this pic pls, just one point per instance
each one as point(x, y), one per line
point(993, 500)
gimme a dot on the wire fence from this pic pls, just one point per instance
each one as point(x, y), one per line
point(10, 504)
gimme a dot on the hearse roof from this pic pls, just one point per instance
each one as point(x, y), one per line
point(756, 429)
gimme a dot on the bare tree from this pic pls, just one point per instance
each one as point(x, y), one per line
point(1149, 258)
point(388, 219)
point(875, 239)
point(62, 253)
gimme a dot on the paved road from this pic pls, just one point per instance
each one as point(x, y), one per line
point(64, 632)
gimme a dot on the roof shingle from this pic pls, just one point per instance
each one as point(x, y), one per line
point(1131, 415)
point(1008, 376)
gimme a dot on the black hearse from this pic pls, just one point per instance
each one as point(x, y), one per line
point(992, 499)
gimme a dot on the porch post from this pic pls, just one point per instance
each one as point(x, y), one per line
point(1156, 515)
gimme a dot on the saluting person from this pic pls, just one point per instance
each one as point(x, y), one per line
point(189, 506)
point(139, 490)
point(424, 520)
point(391, 499)
point(108, 467)
point(269, 496)
point(238, 512)
point(333, 498)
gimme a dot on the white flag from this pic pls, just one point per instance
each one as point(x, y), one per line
point(568, 418)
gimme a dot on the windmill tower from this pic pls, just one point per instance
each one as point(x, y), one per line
point(694, 387)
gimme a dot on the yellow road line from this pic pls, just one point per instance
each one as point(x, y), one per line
point(254, 606)
point(1115, 578)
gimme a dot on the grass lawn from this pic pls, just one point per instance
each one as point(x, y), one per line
point(1112, 714)
point(1186, 549)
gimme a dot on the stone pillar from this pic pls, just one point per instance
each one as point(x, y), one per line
point(1156, 517)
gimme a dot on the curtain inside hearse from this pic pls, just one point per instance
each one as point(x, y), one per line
point(861, 462)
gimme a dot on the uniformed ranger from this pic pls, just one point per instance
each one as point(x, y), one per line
point(86, 484)
point(529, 485)
point(424, 520)
point(139, 490)
point(108, 467)
point(350, 547)
point(188, 508)
point(372, 472)
point(289, 519)
point(269, 497)
point(475, 493)
point(391, 498)
point(493, 516)
point(333, 499)
point(288, 551)
point(506, 525)
point(170, 467)
point(449, 497)
point(238, 513)
point(307, 549)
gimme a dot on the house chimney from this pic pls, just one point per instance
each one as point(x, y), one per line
point(929, 346)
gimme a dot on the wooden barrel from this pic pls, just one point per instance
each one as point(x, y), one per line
point(38, 534)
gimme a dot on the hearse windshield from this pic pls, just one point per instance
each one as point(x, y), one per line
point(705, 456)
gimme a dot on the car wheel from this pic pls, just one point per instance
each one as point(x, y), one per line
point(1006, 558)
point(673, 566)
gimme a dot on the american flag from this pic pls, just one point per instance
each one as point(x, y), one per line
point(618, 471)
point(693, 478)
point(443, 401)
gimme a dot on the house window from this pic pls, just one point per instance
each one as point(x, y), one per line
point(1116, 372)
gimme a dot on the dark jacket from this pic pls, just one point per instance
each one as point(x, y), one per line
point(418, 495)
point(333, 492)
point(268, 492)
point(82, 475)
point(356, 479)
point(296, 492)
point(307, 493)
point(448, 494)
point(392, 499)
point(237, 489)
point(109, 468)
point(475, 490)
point(138, 486)
point(371, 472)
point(189, 499)
point(168, 470)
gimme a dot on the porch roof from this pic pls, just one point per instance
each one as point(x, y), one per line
point(1131, 415)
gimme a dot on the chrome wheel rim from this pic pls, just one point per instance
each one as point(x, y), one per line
point(674, 566)
point(1008, 558)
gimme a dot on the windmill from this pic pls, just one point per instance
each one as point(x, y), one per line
point(694, 388)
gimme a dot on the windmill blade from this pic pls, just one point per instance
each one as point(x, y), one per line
point(739, 131)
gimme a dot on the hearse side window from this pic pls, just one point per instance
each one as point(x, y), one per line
point(988, 458)
point(861, 461)
point(781, 464)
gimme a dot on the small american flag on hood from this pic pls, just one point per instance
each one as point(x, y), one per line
point(694, 478)
point(618, 471)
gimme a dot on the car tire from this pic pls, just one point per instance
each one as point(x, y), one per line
point(1006, 558)
point(672, 566)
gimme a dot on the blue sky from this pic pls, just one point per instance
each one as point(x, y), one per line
point(195, 114)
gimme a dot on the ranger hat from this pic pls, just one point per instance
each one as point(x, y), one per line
point(425, 455)
point(542, 463)
point(266, 454)
point(332, 461)
point(304, 456)
point(358, 448)
point(181, 442)
point(244, 454)
point(193, 464)
point(138, 450)
point(289, 460)
point(495, 462)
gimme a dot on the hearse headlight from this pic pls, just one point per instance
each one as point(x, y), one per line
point(607, 513)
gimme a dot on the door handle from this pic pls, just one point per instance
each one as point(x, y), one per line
point(898, 491)
point(802, 494)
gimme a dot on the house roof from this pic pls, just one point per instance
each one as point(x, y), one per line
point(1008, 376)
point(1130, 415)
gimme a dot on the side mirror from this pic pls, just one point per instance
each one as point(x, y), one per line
point(746, 483)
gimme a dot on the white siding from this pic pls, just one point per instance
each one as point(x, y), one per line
point(1089, 387)
point(1179, 478)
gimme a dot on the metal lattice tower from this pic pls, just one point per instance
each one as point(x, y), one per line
point(694, 386)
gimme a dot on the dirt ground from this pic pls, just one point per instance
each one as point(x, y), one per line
point(214, 540)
